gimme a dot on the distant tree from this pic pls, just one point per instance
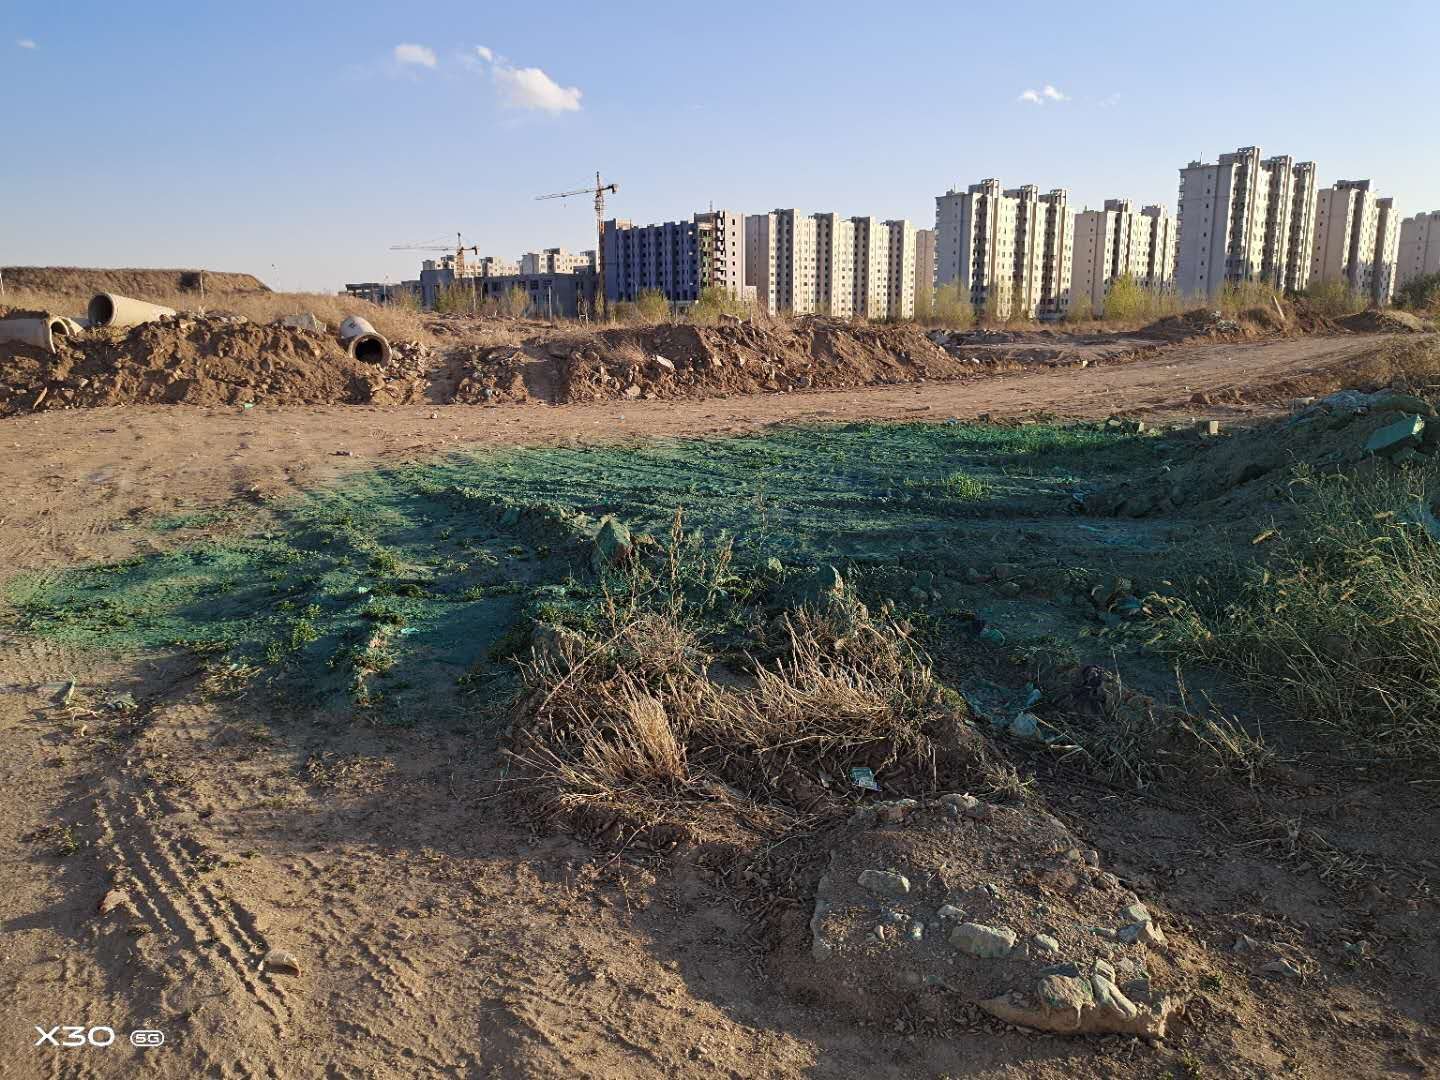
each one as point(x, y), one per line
point(514, 302)
point(924, 301)
point(1334, 297)
point(652, 307)
point(1420, 294)
point(1127, 301)
point(1080, 309)
point(951, 307)
point(455, 298)
point(714, 302)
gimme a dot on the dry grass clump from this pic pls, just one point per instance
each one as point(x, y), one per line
point(396, 322)
point(1342, 628)
point(633, 726)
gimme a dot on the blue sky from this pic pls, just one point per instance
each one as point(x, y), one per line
point(298, 141)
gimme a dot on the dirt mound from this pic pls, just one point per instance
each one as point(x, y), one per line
point(210, 361)
point(682, 361)
point(1250, 474)
point(998, 906)
point(1200, 323)
point(1383, 321)
point(84, 282)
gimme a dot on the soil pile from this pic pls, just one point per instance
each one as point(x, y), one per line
point(1200, 323)
point(85, 282)
point(999, 907)
point(1251, 474)
point(682, 361)
point(209, 361)
point(1386, 321)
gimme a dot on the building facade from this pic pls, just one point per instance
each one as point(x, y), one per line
point(834, 265)
point(1117, 241)
point(899, 269)
point(721, 235)
point(1357, 239)
point(1245, 218)
point(1419, 249)
point(1012, 250)
point(780, 254)
point(871, 293)
point(560, 295)
point(924, 268)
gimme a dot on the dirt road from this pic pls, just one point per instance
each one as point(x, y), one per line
point(71, 477)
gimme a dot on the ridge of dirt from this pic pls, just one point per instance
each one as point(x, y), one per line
point(83, 281)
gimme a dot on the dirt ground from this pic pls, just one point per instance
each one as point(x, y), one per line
point(158, 855)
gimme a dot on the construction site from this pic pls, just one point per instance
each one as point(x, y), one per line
point(392, 692)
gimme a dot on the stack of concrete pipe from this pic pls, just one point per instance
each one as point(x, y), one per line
point(40, 332)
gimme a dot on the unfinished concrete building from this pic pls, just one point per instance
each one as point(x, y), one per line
point(1419, 251)
point(780, 260)
point(1012, 250)
point(834, 265)
point(899, 269)
point(924, 268)
point(1116, 242)
point(1245, 218)
point(1357, 240)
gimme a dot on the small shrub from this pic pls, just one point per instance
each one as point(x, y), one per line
point(1420, 294)
point(652, 307)
point(1334, 298)
point(952, 308)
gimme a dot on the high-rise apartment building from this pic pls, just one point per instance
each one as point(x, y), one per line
point(780, 260)
point(721, 240)
point(924, 268)
point(834, 265)
point(899, 269)
point(872, 268)
point(556, 261)
point(1245, 218)
point(1118, 241)
point(1357, 239)
point(1012, 249)
point(1419, 247)
point(677, 259)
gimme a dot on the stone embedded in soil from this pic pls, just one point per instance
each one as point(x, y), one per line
point(986, 942)
point(1391, 438)
point(884, 882)
point(1144, 933)
point(280, 962)
point(1069, 1001)
point(1045, 943)
point(1282, 966)
point(613, 543)
point(1137, 913)
point(967, 806)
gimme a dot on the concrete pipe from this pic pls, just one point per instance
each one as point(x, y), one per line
point(363, 343)
point(108, 309)
point(38, 332)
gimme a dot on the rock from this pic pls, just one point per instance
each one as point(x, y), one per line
point(967, 806)
point(302, 321)
point(1065, 1001)
point(660, 361)
point(280, 962)
point(950, 911)
point(1137, 913)
point(1109, 996)
point(1105, 968)
point(892, 812)
point(1245, 943)
point(632, 391)
point(1144, 933)
point(1025, 726)
point(884, 882)
point(1392, 438)
point(986, 942)
point(1046, 944)
point(613, 544)
point(1004, 571)
point(1281, 966)
point(825, 583)
point(992, 636)
point(111, 900)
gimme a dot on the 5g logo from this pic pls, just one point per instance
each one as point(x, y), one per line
point(74, 1036)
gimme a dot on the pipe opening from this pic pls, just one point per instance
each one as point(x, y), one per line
point(370, 349)
point(101, 310)
point(60, 327)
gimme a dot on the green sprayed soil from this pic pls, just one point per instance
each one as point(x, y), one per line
point(380, 585)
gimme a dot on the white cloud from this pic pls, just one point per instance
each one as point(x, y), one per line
point(415, 54)
point(1110, 102)
point(27, 43)
point(528, 87)
point(1041, 96)
point(531, 88)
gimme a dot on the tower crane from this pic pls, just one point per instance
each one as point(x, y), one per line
point(598, 191)
point(459, 249)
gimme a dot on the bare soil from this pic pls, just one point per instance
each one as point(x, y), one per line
point(159, 854)
point(82, 283)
